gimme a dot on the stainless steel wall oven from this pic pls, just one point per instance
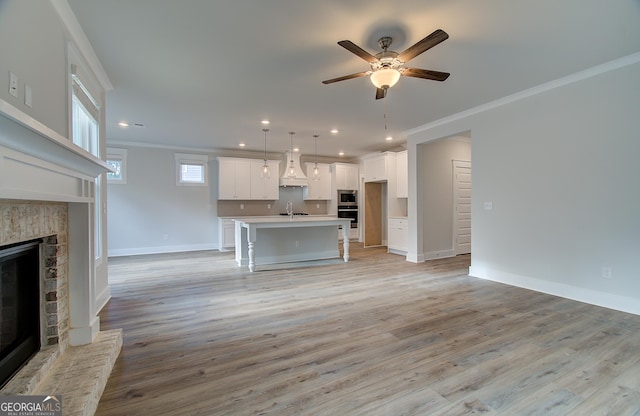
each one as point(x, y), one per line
point(348, 206)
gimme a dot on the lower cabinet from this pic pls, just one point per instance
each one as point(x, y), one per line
point(227, 229)
point(397, 235)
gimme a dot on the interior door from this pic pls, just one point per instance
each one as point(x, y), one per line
point(462, 207)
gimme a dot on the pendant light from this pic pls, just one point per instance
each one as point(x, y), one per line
point(291, 173)
point(316, 172)
point(266, 172)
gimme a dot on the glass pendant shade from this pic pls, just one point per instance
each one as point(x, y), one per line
point(385, 78)
point(266, 172)
point(316, 173)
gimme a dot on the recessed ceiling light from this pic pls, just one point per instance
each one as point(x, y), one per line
point(334, 131)
point(241, 145)
point(341, 154)
point(296, 149)
point(265, 122)
point(123, 124)
point(388, 138)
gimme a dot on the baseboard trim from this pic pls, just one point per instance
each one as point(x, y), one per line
point(161, 249)
point(438, 254)
point(580, 294)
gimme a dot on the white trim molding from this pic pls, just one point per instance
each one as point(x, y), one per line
point(580, 294)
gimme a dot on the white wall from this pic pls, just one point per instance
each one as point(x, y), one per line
point(151, 206)
point(560, 165)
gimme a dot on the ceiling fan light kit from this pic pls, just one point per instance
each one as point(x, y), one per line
point(385, 78)
point(387, 66)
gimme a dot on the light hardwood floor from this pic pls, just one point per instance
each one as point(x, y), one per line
point(375, 336)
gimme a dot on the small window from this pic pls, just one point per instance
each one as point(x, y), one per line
point(191, 169)
point(117, 160)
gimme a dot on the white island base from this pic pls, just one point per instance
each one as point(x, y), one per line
point(269, 240)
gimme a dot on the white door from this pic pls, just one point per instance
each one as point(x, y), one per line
point(462, 207)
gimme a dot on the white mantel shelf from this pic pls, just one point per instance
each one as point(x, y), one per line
point(268, 240)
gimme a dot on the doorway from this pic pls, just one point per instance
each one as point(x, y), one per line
point(373, 214)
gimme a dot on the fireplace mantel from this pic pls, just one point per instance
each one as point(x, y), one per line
point(37, 163)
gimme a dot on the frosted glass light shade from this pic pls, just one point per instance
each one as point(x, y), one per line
point(266, 172)
point(386, 77)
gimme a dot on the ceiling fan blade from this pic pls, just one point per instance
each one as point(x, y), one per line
point(353, 48)
point(423, 45)
point(356, 75)
point(425, 73)
point(381, 93)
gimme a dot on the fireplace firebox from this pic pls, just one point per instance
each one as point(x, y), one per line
point(19, 306)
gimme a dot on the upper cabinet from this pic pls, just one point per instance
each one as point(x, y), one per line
point(241, 179)
point(265, 188)
point(346, 176)
point(320, 189)
point(402, 175)
point(233, 178)
point(376, 167)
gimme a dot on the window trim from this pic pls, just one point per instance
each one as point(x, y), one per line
point(192, 159)
point(121, 155)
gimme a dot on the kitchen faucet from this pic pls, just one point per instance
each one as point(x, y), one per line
point(290, 210)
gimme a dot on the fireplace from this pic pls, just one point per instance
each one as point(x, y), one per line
point(19, 306)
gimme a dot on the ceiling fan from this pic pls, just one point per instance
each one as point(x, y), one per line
point(387, 66)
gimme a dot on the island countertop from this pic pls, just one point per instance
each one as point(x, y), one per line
point(289, 239)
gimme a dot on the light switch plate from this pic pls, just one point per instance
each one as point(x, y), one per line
point(488, 205)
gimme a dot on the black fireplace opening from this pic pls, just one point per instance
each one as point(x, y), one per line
point(19, 306)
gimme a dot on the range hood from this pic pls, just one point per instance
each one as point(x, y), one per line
point(300, 178)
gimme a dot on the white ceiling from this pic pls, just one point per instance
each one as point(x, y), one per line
point(204, 73)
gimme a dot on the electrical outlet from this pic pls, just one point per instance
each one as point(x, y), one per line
point(241, 206)
point(268, 206)
point(297, 243)
point(607, 273)
point(165, 237)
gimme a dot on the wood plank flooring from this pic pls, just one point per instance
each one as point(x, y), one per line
point(374, 336)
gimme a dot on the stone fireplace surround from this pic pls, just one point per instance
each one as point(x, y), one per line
point(46, 191)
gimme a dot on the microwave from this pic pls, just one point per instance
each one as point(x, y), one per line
point(346, 197)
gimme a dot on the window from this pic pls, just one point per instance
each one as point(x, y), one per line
point(117, 160)
point(191, 169)
point(84, 115)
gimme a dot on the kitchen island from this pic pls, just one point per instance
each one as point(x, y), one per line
point(269, 240)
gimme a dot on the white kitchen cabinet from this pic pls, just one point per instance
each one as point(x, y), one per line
point(227, 234)
point(402, 175)
point(376, 167)
point(265, 189)
point(234, 178)
point(346, 176)
point(398, 235)
point(320, 189)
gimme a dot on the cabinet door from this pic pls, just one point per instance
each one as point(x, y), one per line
point(375, 168)
point(261, 188)
point(402, 175)
point(226, 179)
point(227, 234)
point(398, 234)
point(233, 179)
point(320, 189)
point(346, 176)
